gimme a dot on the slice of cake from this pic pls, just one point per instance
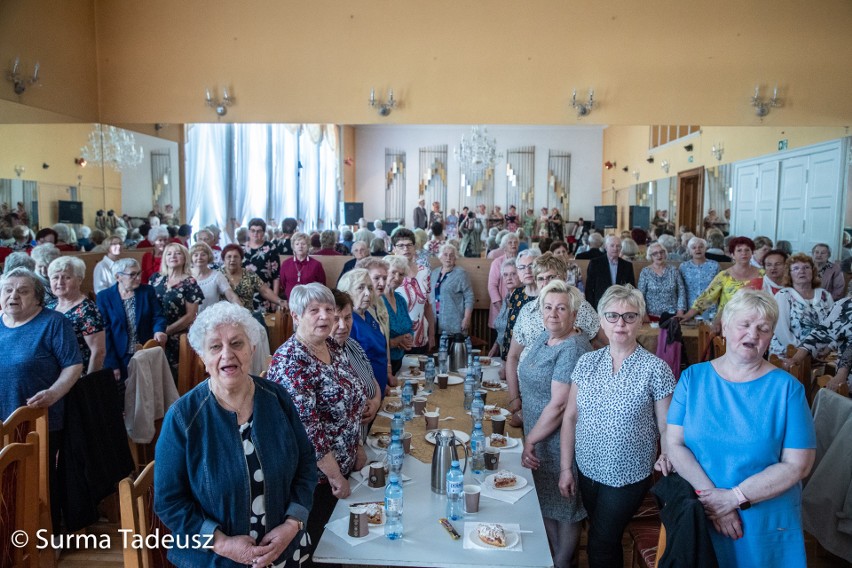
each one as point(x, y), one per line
point(498, 441)
point(491, 410)
point(374, 513)
point(492, 533)
point(505, 478)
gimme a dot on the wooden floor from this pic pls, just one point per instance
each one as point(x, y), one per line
point(113, 558)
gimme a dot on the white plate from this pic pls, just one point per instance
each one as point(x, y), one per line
point(453, 380)
point(406, 375)
point(502, 386)
point(512, 540)
point(520, 484)
point(373, 442)
point(461, 437)
point(503, 411)
point(510, 443)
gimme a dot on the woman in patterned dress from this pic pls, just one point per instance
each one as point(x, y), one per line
point(545, 379)
point(802, 306)
point(246, 284)
point(698, 273)
point(829, 272)
point(66, 273)
point(661, 285)
point(262, 256)
point(179, 295)
point(616, 410)
point(254, 502)
point(329, 397)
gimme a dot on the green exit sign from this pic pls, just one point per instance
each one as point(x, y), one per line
point(782, 145)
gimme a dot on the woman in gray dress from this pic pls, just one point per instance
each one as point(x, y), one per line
point(545, 377)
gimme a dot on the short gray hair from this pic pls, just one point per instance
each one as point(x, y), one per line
point(694, 241)
point(157, 232)
point(395, 261)
point(122, 265)
point(63, 232)
point(360, 244)
point(37, 283)
point(575, 299)
point(530, 252)
point(224, 313)
point(45, 254)
point(64, 263)
point(668, 242)
point(747, 301)
point(18, 259)
point(120, 232)
point(448, 246)
point(629, 247)
point(371, 262)
point(509, 262)
point(202, 246)
point(304, 294)
point(627, 294)
point(821, 245)
point(611, 238)
point(596, 240)
point(658, 245)
point(505, 239)
point(378, 223)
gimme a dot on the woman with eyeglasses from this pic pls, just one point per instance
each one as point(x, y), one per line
point(132, 315)
point(616, 410)
point(662, 285)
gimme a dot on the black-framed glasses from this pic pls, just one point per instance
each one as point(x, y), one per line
point(404, 245)
point(628, 317)
point(132, 275)
point(545, 278)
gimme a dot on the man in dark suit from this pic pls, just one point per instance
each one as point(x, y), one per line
point(595, 244)
point(420, 217)
point(607, 270)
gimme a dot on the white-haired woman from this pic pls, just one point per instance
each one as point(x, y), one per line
point(698, 272)
point(102, 276)
point(329, 397)
point(213, 283)
point(179, 296)
point(829, 272)
point(300, 268)
point(65, 237)
point(153, 259)
point(400, 328)
point(497, 290)
point(451, 295)
point(43, 255)
point(615, 412)
point(661, 285)
point(526, 292)
point(740, 432)
point(66, 273)
point(545, 380)
point(255, 501)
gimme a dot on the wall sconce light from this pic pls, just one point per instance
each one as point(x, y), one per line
point(635, 175)
point(664, 165)
point(688, 147)
point(650, 159)
point(609, 165)
point(16, 77)
point(81, 162)
point(761, 107)
point(220, 106)
point(717, 150)
point(19, 169)
point(583, 109)
point(625, 169)
point(383, 108)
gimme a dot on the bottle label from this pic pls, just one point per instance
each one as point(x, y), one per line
point(455, 487)
point(393, 505)
point(396, 457)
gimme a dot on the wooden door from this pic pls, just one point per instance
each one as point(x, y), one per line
point(690, 198)
point(744, 218)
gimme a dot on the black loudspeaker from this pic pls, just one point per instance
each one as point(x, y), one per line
point(606, 216)
point(640, 217)
point(351, 212)
point(70, 212)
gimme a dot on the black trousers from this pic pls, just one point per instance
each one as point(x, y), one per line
point(324, 504)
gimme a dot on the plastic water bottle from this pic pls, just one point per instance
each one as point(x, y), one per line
point(469, 388)
point(477, 373)
point(443, 355)
point(393, 507)
point(407, 405)
point(397, 425)
point(477, 448)
point(477, 408)
point(455, 492)
point(430, 376)
point(396, 454)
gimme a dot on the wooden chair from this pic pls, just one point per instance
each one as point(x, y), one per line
point(705, 334)
point(822, 381)
point(15, 430)
point(137, 515)
point(281, 330)
point(801, 370)
point(719, 346)
point(191, 369)
point(19, 501)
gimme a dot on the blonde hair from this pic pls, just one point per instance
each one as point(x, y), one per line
point(575, 299)
point(165, 270)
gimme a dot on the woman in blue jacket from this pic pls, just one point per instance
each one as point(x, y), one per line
point(235, 472)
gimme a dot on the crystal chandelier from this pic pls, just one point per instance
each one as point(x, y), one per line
point(478, 153)
point(114, 147)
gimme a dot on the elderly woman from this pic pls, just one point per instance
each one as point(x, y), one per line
point(451, 295)
point(545, 379)
point(629, 250)
point(471, 231)
point(65, 238)
point(829, 272)
point(43, 255)
point(262, 256)
point(179, 295)
point(132, 315)
point(365, 328)
point(745, 466)
point(66, 274)
point(698, 272)
point(497, 290)
point(358, 359)
point(662, 285)
point(616, 409)
point(299, 268)
point(802, 306)
point(555, 225)
point(438, 238)
point(209, 238)
point(510, 277)
point(255, 501)
point(213, 283)
point(574, 275)
point(42, 360)
point(329, 397)
point(526, 292)
point(102, 276)
point(728, 282)
point(509, 243)
point(360, 250)
point(152, 260)
point(247, 285)
point(377, 268)
point(378, 247)
point(400, 338)
point(328, 241)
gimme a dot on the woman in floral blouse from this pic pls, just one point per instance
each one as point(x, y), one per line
point(261, 256)
point(66, 273)
point(329, 396)
point(661, 285)
point(802, 306)
point(247, 285)
point(179, 295)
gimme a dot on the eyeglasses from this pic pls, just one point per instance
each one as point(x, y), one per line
point(523, 266)
point(658, 253)
point(628, 317)
point(132, 275)
point(545, 278)
point(404, 245)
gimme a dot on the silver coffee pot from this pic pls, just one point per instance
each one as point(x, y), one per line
point(443, 455)
point(458, 352)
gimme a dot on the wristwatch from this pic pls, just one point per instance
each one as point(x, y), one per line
point(744, 503)
point(301, 524)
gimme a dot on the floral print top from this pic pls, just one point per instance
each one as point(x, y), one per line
point(663, 292)
point(722, 288)
point(697, 277)
point(174, 301)
point(264, 261)
point(415, 291)
point(517, 300)
point(86, 320)
point(797, 317)
point(330, 399)
point(248, 289)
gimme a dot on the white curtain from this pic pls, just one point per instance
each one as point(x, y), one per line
point(271, 171)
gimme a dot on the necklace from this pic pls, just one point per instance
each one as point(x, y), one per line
point(311, 349)
point(238, 408)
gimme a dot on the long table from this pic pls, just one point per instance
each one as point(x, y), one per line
point(425, 541)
